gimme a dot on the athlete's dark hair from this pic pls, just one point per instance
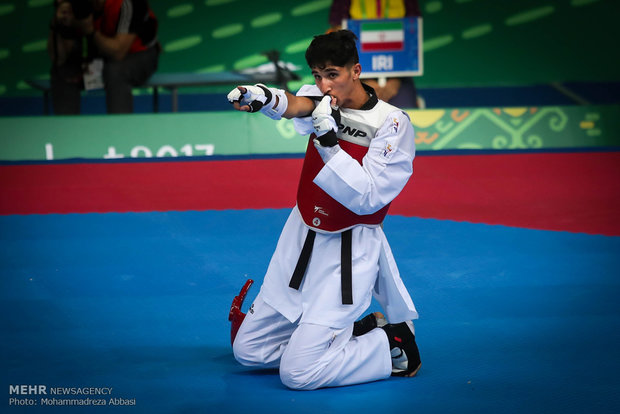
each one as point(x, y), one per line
point(337, 48)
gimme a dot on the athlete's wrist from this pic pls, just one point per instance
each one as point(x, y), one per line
point(276, 107)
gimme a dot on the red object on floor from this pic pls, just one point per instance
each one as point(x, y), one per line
point(236, 315)
point(577, 192)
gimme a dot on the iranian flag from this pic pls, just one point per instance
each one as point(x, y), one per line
point(382, 36)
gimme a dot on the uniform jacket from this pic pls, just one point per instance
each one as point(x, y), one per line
point(363, 188)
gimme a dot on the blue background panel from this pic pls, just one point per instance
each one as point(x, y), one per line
point(405, 62)
point(512, 320)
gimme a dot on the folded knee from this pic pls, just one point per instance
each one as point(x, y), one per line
point(295, 380)
point(253, 353)
point(243, 353)
point(299, 378)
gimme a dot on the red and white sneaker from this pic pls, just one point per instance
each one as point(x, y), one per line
point(405, 354)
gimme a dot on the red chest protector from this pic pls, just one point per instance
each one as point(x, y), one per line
point(318, 209)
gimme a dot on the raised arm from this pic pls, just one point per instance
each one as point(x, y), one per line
point(298, 106)
point(275, 103)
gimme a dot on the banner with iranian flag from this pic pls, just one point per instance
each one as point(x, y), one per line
point(388, 47)
point(384, 36)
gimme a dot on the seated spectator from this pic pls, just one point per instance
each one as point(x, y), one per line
point(123, 33)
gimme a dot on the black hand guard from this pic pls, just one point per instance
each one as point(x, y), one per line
point(328, 139)
point(256, 106)
point(365, 325)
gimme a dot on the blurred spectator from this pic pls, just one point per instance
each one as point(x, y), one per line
point(121, 33)
point(399, 91)
point(64, 46)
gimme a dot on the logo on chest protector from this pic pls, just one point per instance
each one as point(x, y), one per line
point(320, 210)
point(354, 132)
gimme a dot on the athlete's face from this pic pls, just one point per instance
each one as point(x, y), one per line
point(337, 81)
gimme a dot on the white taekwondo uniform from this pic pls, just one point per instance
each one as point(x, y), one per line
point(307, 331)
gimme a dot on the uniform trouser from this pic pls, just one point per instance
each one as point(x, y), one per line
point(310, 356)
point(119, 78)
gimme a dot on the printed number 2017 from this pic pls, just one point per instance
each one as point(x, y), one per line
point(141, 151)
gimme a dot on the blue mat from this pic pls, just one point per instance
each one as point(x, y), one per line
point(512, 320)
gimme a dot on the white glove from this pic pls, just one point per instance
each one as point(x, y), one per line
point(270, 101)
point(322, 118)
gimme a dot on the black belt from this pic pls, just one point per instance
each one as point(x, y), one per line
point(346, 274)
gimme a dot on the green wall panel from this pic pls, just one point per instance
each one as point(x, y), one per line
point(236, 133)
point(517, 128)
point(467, 42)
